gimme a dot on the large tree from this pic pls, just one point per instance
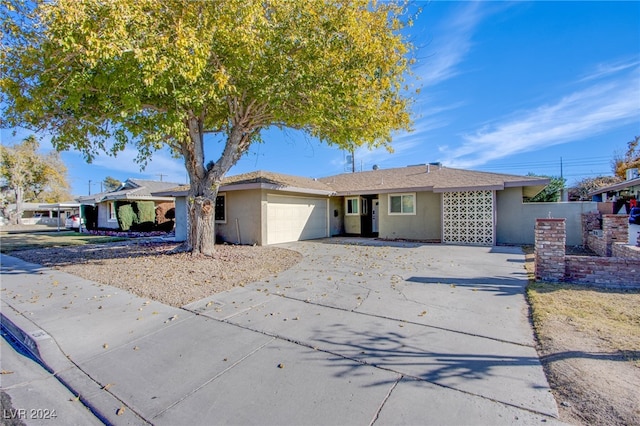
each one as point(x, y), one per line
point(581, 189)
point(101, 74)
point(27, 175)
point(111, 184)
point(630, 159)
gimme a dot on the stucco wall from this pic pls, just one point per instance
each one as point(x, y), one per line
point(103, 217)
point(352, 224)
point(516, 220)
point(243, 207)
point(426, 224)
point(181, 219)
point(336, 222)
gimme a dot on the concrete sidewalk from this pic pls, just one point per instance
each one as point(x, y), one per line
point(355, 334)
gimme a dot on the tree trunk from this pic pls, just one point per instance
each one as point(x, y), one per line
point(206, 180)
point(18, 212)
point(202, 237)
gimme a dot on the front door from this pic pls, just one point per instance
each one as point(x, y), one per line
point(374, 215)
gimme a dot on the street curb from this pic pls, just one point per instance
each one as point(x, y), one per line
point(44, 350)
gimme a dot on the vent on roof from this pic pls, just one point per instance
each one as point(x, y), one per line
point(436, 164)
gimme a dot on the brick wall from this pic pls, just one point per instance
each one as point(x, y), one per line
point(550, 241)
point(626, 251)
point(590, 222)
point(552, 264)
point(615, 272)
point(615, 229)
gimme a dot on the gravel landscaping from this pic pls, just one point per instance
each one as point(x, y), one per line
point(158, 271)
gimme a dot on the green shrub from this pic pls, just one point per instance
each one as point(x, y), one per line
point(146, 212)
point(126, 216)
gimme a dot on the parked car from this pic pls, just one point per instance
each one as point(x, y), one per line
point(73, 222)
point(634, 215)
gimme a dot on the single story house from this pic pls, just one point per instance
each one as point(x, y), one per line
point(51, 214)
point(101, 210)
point(424, 202)
point(613, 198)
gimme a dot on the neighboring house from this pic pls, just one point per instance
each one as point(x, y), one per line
point(51, 214)
point(101, 210)
point(612, 198)
point(424, 202)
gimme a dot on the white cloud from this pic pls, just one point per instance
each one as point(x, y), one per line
point(608, 69)
point(452, 41)
point(581, 114)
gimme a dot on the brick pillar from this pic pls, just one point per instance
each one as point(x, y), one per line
point(550, 241)
point(590, 222)
point(615, 229)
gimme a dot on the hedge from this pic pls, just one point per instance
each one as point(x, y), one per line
point(126, 216)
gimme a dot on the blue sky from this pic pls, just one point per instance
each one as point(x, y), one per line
point(508, 87)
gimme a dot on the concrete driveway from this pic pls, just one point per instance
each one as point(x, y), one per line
point(359, 332)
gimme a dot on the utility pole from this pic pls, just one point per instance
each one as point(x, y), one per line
point(161, 175)
point(353, 161)
point(89, 186)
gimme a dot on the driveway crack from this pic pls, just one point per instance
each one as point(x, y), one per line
point(384, 400)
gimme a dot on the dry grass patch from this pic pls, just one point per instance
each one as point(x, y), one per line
point(35, 240)
point(589, 345)
point(609, 318)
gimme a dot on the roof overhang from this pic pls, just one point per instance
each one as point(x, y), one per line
point(60, 206)
point(134, 197)
point(253, 186)
point(617, 187)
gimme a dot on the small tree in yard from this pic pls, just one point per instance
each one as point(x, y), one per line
point(26, 175)
point(551, 193)
point(101, 74)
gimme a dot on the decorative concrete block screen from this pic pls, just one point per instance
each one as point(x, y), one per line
point(468, 217)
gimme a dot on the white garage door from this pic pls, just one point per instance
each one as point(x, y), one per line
point(295, 218)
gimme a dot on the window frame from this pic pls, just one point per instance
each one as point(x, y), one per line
point(402, 212)
point(113, 215)
point(222, 195)
point(353, 201)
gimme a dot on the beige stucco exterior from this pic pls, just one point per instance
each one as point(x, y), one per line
point(336, 216)
point(103, 216)
point(352, 223)
point(426, 224)
point(243, 224)
point(261, 205)
point(516, 220)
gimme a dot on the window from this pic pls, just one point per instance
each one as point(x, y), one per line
point(112, 211)
point(402, 204)
point(352, 206)
point(221, 209)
